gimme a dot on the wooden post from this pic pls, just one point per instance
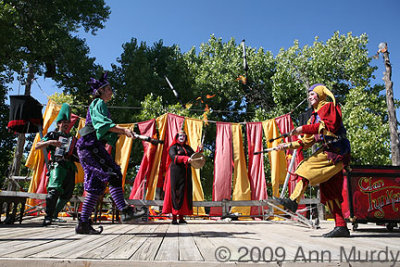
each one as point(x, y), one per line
point(394, 138)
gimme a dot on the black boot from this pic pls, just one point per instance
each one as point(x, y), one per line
point(338, 231)
point(85, 228)
point(129, 213)
point(47, 221)
point(288, 204)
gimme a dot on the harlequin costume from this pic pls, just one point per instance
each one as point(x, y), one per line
point(61, 171)
point(178, 185)
point(99, 166)
point(325, 166)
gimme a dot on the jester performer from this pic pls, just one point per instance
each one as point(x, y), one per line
point(99, 166)
point(61, 167)
point(325, 165)
point(178, 185)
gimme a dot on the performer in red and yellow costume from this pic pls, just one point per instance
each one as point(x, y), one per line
point(324, 166)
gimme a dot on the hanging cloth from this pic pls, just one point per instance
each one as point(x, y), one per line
point(277, 159)
point(193, 129)
point(256, 172)
point(25, 114)
point(223, 163)
point(123, 151)
point(147, 128)
point(155, 168)
point(241, 184)
point(285, 125)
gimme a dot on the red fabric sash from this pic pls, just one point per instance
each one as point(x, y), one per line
point(256, 164)
point(285, 125)
point(174, 125)
point(223, 165)
point(147, 128)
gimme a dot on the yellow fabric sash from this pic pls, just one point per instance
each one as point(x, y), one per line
point(277, 159)
point(241, 183)
point(123, 149)
point(193, 129)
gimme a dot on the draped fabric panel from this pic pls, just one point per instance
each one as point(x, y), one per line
point(155, 168)
point(277, 159)
point(35, 160)
point(241, 184)
point(285, 125)
point(147, 128)
point(123, 149)
point(256, 172)
point(222, 166)
point(194, 129)
point(174, 125)
point(80, 175)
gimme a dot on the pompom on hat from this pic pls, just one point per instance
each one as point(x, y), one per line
point(95, 85)
point(322, 92)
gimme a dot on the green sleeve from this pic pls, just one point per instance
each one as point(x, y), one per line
point(101, 121)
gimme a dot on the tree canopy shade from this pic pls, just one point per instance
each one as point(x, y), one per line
point(36, 38)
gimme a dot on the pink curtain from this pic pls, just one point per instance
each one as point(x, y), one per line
point(223, 164)
point(285, 124)
point(174, 125)
point(147, 128)
point(256, 163)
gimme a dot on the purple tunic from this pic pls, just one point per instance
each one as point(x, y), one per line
point(98, 165)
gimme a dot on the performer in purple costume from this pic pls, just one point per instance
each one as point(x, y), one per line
point(99, 166)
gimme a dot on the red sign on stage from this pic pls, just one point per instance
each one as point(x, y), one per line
point(374, 193)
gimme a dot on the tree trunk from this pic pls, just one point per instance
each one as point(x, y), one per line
point(394, 139)
point(19, 150)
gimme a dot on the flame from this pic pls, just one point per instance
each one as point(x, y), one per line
point(242, 79)
point(210, 96)
point(188, 105)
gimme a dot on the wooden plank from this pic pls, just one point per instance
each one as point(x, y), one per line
point(115, 244)
point(129, 248)
point(28, 248)
point(17, 241)
point(203, 243)
point(148, 249)
point(72, 249)
point(188, 251)
point(168, 250)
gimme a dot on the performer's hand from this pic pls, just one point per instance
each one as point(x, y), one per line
point(296, 131)
point(128, 133)
point(54, 143)
point(282, 146)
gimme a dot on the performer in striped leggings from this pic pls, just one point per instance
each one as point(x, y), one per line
point(99, 166)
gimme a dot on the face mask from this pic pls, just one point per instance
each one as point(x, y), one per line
point(181, 138)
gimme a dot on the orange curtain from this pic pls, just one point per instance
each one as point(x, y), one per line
point(193, 129)
point(241, 186)
point(277, 159)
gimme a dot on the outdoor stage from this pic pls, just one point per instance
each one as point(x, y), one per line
point(198, 242)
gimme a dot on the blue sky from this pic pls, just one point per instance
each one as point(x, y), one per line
point(268, 24)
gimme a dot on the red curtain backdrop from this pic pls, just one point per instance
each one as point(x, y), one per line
point(285, 124)
point(256, 163)
point(174, 125)
point(223, 165)
point(147, 128)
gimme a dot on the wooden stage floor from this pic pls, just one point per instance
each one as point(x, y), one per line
point(200, 242)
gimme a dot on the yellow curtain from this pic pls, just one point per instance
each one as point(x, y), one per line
point(153, 179)
point(194, 128)
point(35, 159)
point(79, 176)
point(241, 186)
point(277, 159)
point(123, 150)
